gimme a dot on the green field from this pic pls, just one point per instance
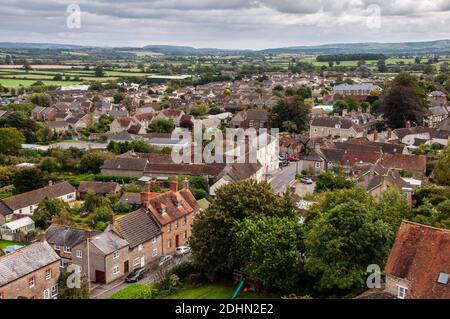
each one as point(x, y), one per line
point(14, 78)
point(15, 83)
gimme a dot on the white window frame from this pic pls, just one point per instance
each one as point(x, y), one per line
point(317, 164)
point(154, 240)
point(116, 254)
point(155, 252)
point(116, 270)
point(79, 253)
point(31, 282)
point(58, 248)
point(46, 294)
point(48, 274)
point(54, 291)
point(401, 292)
point(137, 261)
point(67, 249)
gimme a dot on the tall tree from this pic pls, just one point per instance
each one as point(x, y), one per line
point(271, 249)
point(404, 101)
point(11, 140)
point(213, 242)
point(344, 239)
point(290, 109)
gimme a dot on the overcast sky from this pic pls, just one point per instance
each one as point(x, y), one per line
point(238, 24)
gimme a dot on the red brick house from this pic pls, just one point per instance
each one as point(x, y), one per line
point(174, 211)
point(418, 266)
point(31, 272)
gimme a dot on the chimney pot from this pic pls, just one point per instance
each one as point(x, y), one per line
point(174, 186)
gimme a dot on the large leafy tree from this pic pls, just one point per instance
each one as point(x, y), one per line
point(442, 168)
point(47, 209)
point(41, 99)
point(162, 126)
point(404, 101)
point(213, 242)
point(346, 237)
point(93, 160)
point(290, 114)
point(270, 249)
point(28, 179)
point(11, 140)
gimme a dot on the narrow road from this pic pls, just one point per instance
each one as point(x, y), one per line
point(282, 179)
point(105, 291)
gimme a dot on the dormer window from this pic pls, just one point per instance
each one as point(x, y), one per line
point(337, 126)
point(443, 278)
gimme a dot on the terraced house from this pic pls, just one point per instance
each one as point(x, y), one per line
point(174, 212)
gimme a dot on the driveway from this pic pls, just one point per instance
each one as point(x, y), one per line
point(105, 291)
point(284, 178)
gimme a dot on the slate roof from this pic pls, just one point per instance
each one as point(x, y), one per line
point(137, 227)
point(124, 163)
point(325, 121)
point(34, 197)
point(26, 260)
point(98, 187)
point(130, 198)
point(419, 254)
point(108, 242)
point(65, 236)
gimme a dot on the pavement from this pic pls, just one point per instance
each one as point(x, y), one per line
point(105, 291)
point(284, 178)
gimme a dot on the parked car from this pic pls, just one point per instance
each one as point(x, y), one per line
point(306, 180)
point(182, 250)
point(164, 260)
point(137, 274)
point(293, 159)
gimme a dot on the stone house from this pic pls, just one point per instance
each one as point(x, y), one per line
point(335, 127)
point(143, 233)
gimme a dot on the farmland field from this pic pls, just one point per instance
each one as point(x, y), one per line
point(14, 76)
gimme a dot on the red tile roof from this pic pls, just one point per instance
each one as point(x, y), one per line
point(405, 162)
point(420, 253)
point(171, 206)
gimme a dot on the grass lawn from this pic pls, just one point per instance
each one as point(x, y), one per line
point(216, 291)
point(5, 243)
point(14, 83)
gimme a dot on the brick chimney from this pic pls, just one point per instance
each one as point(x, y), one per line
point(147, 194)
point(375, 135)
point(174, 186)
point(389, 133)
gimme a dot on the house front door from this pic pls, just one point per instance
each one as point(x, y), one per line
point(177, 241)
point(126, 266)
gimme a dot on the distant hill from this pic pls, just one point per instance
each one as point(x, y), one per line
point(405, 48)
point(185, 50)
point(53, 46)
point(440, 46)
